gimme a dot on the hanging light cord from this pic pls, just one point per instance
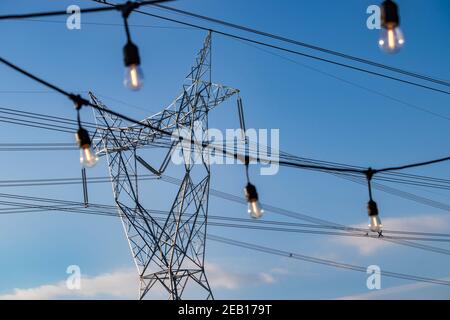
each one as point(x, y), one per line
point(119, 7)
point(126, 11)
point(369, 175)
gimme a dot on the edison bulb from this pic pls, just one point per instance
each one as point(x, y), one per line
point(375, 224)
point(88, 158)
point(134, 77)
point(391, 40)
point(254, 208)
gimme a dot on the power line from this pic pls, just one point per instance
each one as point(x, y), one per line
point(80, 100)
point(326, 262)
point(351, 83)
point(273, 209)
point(137, 4)
point(303, 44)
point(350, 177)
point(72, 181)
point(234, 36)
point(249, 224)
point(292, 51)
point(276, 251)
point(111, 24)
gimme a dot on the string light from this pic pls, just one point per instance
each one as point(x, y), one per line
point(134, 77)
point(372, 208)
point(391, 36)
point(88, 158)
point(254, 207)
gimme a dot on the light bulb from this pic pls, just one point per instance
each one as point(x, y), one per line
point(391, 40)
point(88, 158)
point(374, 220)
point(134, 77)
point(255, 210)
point(375, 224)
point(391, 37)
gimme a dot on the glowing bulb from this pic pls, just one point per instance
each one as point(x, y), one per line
point(375, 224)
point(374, 220)
point(391, 40)
point(88, 158)
point(134, 77)
point(255, 210)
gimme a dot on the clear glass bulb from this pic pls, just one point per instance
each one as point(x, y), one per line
point(134, 77)
point(254, 208)
point(88, 158)
point(375, 224)
point(391, 40)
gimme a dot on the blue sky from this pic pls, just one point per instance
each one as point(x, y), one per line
point(318, 116)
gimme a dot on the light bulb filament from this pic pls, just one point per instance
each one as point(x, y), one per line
point(134, 77)
point(391, 39)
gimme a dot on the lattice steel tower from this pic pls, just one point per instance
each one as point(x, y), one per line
point(169, 251)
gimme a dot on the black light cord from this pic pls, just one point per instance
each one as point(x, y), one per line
point(369, 175)
point(80, 101)
point(87, 10)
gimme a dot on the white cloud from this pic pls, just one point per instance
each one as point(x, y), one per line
point(408, 291)
point(426, 223)
point(120, 284)
point(227, 279)
point(124, 284)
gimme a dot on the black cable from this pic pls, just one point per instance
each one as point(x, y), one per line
point(226, 218)
point(86, 10)
point(78, 100)
point(288, 254)
point(30, 208)
point(409, 178)
point(136, 5)
point(327, 262)
point(357, 179)
point(414, 165)
point(303, 44)
point(304, 217)
point(287, 50)
point(273, 209)
point(351, 83)
point(291, 51)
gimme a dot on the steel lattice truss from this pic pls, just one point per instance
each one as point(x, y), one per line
point(169, 253)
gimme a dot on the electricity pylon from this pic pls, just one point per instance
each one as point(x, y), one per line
point(169, 251)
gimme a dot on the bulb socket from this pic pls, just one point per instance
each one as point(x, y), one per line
point(131, 54)
point(82, 138)
point(372, 208)
point(390, 18)
point(250, 192)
